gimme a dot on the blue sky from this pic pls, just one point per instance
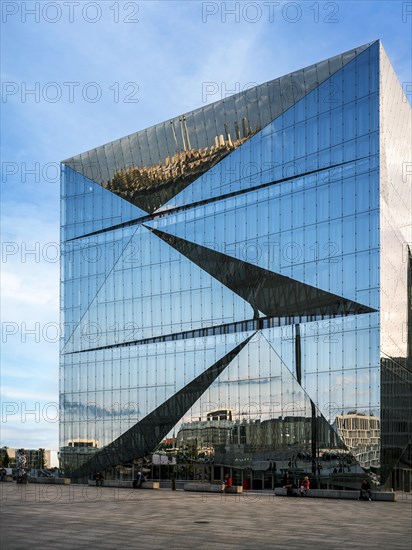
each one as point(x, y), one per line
point(102, 70)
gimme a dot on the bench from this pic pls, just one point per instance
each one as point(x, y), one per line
point(112, 483)
point(150, 485)
point(211, 488)
point(125, 484)
point(335, 493)
point(53, 480)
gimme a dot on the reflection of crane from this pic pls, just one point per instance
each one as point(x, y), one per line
point(181, 131)
point(174, 135)
point(184, 133)
point(187, 133)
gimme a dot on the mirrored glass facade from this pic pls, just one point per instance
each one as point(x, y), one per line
point(235, 286)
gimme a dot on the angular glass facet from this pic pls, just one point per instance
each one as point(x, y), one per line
point(160, 169)
point(236, 287)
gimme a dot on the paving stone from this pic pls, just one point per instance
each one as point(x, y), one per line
point(80, 517)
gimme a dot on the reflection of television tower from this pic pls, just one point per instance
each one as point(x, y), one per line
point(237, 132)
point(244, 127)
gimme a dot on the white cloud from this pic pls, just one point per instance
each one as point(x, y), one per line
point(29, 290)
point(23, 394)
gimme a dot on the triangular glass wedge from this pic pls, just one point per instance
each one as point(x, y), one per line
point(142, 438)
point(149, 167)
point(266, 291)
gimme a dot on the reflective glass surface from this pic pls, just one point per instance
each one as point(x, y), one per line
point(233, 286)
point(151, 166)
point(396, 272)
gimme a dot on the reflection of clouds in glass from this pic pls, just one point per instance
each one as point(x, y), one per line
point(357, 396)
point(93, 410)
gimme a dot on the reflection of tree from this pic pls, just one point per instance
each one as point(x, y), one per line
point(192, 449)
point(42, 459)
point(5, 458)
point(166, 445)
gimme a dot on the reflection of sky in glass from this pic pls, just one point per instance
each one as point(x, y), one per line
point(305, 204)
point(131, 382)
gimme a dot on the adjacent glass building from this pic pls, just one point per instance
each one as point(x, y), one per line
point(236, 287)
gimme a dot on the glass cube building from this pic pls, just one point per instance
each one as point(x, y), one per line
point(236, 287)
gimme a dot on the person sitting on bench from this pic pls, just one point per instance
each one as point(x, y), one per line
point(304, 487)
point(289, 485)
point(365, 491)
point(137, 483)
point(99, 479)
point(227, 483)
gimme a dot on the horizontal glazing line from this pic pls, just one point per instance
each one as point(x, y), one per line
point(230, 328)
point(395, 361)
point(150, 217)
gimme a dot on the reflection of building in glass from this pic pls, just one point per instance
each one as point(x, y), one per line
point(236, 278)
point(147, 184)
point(80, 451)
point(223, 414)
point(361, 436)
point(214, 431)
point(34, 458)
point(80, 443)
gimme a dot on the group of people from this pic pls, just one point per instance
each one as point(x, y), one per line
point(304, 486)
point(287, 483)
point(290, 485)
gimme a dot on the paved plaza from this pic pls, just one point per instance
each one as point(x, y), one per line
point(81, 517)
